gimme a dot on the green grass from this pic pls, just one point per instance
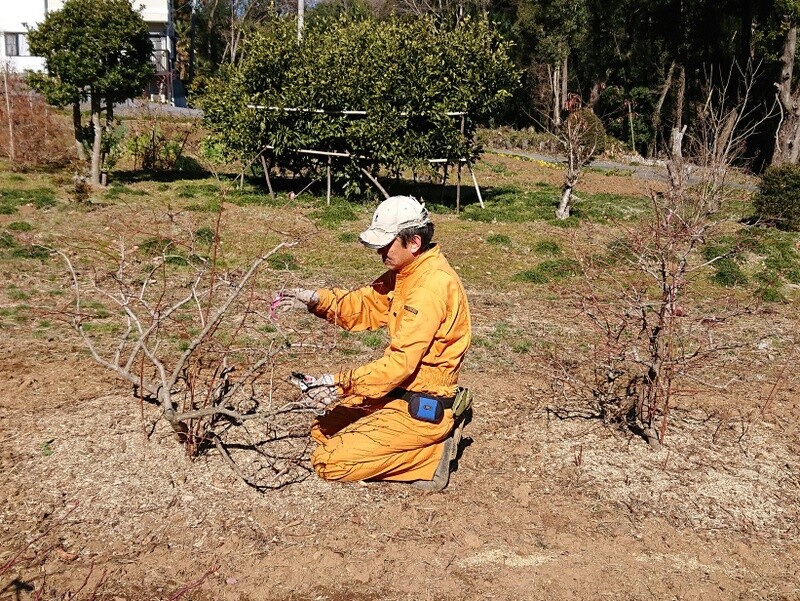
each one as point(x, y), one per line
point(11, 248)
point(768, 257)
point(20, 226)
point(41, 198)
point(204, 235)
point(347, 237)
point(283, 261)
point(547, 247)
point(498, 240)
point(16, 294)
point(549, 271)
point(511, 205)
point(333, 215)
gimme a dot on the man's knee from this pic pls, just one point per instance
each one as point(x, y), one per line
point(330, 467)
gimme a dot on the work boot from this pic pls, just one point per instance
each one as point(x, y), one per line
point(441, 477)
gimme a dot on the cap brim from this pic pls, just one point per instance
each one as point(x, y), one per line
point(376, 239)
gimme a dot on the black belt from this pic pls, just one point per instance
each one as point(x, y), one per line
point(401, 393)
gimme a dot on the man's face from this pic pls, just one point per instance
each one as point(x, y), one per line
point(395, 256)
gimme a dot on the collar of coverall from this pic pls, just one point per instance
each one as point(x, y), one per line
point(430, 252)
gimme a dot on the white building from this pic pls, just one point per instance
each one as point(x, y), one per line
point(17, 16)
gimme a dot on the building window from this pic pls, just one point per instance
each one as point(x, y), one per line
point(17, 44)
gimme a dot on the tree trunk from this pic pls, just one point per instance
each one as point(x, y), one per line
point(787, 138)
point(676, 137)
point(655, 120)
point(562, 212)
point(564, 81)
point(78, 130)
point(98, 139)
point(555, 86)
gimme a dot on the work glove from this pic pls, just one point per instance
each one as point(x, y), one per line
point(318, 393)
point(294, 298)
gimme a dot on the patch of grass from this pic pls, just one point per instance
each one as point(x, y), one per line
point(522, 347)
point(118, 189)
point(498, 240)
point(769, 294)
point(333, 215)
point(512, 205)
point(728, 274)
point(20, 226)
point(773, 252)
point(47, 447)
point(7, 240)
point(41, 198)
point(283, 261)
point(374, 339)
point(204, 235)
point(348, 237)
point(16, 294)
point(549, 271)
point(32, 251)
point(604, 207)
point(547, 247)
point(210, 205)
point(98, 309)
point(155, 246)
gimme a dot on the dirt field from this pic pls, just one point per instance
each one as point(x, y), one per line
point(540, 507)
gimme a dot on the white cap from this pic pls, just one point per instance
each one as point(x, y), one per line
point(393, 215)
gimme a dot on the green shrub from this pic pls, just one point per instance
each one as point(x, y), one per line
point(778, 197)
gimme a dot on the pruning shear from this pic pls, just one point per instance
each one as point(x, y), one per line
point(302, 381)
point(306, 383)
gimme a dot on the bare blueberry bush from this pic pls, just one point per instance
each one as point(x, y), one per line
point(652, 334)
point(194, 338)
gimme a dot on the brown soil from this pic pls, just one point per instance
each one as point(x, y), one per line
point(540, 507)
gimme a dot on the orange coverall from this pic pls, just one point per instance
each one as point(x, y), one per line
point(367, 436)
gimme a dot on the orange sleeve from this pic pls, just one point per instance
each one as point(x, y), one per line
point(364, 309)
point(422, 314)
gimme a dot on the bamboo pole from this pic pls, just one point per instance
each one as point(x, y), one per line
point(329, 180)
point(477, 187)
point(266, 176)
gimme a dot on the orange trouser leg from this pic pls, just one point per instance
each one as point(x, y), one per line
point(377, 443)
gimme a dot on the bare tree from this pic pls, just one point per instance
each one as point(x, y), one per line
point(582, 136)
